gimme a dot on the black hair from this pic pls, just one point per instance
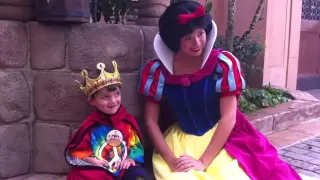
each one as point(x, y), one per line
point(171, 31)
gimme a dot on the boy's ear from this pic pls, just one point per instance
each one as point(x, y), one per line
point(92, 102)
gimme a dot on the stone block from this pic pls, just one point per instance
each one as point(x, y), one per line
point(303, 164)
point(13, 44)
point(286, 159)
point(300, 157)
point(309, 174)
point(297, 150)
point(130, 97)
point(292, 113)
point(46, 177)
point(91, 43)
point(147, 21)
point(17, 2)
point(303, 146)
point(14, 150)
point(23, 177)
point(149, 32)
point(49, 141)
point(57, 97)
point(312, 145)
point(262, 122)
point(48, 45)
point(14, 96)
point(16, 13)
point(296, 113)
point(282, 151)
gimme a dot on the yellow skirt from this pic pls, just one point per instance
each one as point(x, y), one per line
point(223, 167)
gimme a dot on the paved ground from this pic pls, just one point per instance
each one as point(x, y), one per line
point(300, 146)
point(315, 93)
point(304, 156)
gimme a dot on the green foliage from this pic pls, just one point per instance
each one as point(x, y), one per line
point(113, 11)
point(208, 6)
point(254, 99)
point(246, 51)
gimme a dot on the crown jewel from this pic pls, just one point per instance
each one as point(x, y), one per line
point(103, 80)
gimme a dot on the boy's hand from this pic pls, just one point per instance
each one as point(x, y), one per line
point(96, 162)
point(125, 164)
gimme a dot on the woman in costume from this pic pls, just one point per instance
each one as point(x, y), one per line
point(211, 138)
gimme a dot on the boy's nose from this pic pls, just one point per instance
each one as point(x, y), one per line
point(113, 99)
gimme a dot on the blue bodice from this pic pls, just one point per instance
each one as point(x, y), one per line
point(196, 107)
point(194, 99)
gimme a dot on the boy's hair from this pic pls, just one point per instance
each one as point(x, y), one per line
point(110, 88)
point(171, 31)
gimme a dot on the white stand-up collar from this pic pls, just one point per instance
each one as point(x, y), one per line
point(166, 55)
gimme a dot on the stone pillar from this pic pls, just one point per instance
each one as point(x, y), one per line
point(282, 43)
point(150, 11)
point(17, 10)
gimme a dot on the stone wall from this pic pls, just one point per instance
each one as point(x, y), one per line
point(40, 103)
point(18, 10)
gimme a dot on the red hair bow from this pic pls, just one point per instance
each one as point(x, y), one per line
point(185, 18)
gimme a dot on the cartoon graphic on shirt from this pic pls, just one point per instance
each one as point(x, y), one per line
point(115, 140)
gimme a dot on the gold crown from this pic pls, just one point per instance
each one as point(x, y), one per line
point(103, 80)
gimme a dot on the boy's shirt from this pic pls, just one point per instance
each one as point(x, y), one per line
point(113, 138)
point(110, 144)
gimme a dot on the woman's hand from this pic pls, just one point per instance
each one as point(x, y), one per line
point(172, 163)
point(186, 163)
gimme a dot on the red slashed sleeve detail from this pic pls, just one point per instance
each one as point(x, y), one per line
point(151, 81)
point(230, 80)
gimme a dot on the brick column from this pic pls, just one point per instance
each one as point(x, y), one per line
point(282, 43)
point(150, 11)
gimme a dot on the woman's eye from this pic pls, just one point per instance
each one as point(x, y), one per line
point(186, 38)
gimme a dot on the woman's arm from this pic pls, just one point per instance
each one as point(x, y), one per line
point(228, 109)
point(152, 111)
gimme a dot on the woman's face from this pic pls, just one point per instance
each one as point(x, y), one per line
point(193, 44)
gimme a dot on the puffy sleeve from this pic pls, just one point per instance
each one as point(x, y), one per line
point(230, 79)
point(151, 81)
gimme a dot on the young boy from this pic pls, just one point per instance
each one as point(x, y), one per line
point(108, 144)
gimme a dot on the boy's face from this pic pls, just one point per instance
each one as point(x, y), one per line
point(107, 101)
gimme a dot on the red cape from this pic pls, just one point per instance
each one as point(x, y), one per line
point(117, 121)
